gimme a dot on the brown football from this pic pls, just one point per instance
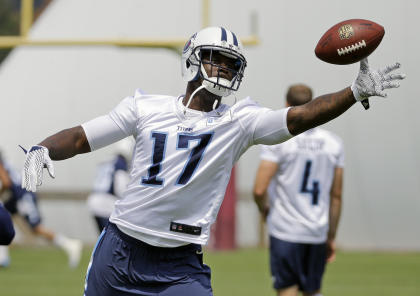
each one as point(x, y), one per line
point(349, 41)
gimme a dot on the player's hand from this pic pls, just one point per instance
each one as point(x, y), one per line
point(36, 159)
point(264, 210)
point(373, 82)
point(330, 251)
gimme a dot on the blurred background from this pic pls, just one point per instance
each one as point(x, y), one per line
point(47, 88)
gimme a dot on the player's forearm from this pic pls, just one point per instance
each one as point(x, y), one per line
point(335, 213)
point(66, 143)
point(319, 111)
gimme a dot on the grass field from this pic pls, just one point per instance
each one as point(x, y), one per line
point(43, 271)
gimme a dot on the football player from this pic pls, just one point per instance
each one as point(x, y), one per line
point(304, 179)
point(23, 203)
point(110, 182)
point(185, 148)
point(7, 232)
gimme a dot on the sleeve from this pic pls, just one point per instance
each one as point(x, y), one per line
point(125, 115)
point(7, 232)
point(117, 125)
point(271, 153)
point(271, 127)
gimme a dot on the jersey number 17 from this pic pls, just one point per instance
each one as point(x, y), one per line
point(183, 141)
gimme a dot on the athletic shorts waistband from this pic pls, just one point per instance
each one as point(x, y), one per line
point(161, 250)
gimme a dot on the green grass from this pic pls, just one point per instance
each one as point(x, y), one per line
point(44, 271)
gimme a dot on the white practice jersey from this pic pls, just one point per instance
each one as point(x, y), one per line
point(300, 190)
point(182, 162)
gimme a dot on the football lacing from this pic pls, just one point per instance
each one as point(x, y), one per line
point(351, 48)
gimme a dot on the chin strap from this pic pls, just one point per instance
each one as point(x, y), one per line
point(193, 94)
point(215, 104)
point(191, 97)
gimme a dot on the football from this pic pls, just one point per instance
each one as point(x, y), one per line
point(349, 41)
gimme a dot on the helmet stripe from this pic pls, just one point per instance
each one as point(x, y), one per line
point(235, 40)
point(224, 35)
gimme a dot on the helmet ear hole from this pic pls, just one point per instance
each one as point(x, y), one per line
point(188, 64)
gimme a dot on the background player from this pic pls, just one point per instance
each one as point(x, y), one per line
point(185, 149)
point(110, 182)
point(304, 179)
point(23, 203)
point(7, 232)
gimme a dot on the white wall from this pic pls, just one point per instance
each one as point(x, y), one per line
point(44, 90)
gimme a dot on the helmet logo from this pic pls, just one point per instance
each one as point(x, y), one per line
point(188, 44)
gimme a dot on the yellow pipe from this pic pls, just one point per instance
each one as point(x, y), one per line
point(26, 20)
point(26, 16)
point(205, 13)
point(12, 41)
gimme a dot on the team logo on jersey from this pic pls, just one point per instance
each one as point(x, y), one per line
point(221, 118)
point(185, 129)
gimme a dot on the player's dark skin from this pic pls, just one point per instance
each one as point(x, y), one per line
point(70, 142)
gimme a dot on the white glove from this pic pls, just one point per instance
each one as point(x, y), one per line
point(373, 82)
point(36, 159)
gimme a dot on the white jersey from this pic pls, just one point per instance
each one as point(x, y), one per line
point(300, 190)
point(181, 163)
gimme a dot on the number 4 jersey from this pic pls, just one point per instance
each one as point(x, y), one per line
point(182, 161)
point(300, 190)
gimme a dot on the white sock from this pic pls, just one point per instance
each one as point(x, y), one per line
point(4, 255)
point(61, 241)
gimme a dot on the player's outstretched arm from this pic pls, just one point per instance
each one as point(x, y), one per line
point(319, 111)
point(62, 145)
point(66, 143)
point(327, 107)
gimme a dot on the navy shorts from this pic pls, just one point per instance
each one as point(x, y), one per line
point(297, 264)
point(101, 222)
point(122, 265)
point(26, 206)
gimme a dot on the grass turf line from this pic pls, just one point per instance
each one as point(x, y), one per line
point(44, 271)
